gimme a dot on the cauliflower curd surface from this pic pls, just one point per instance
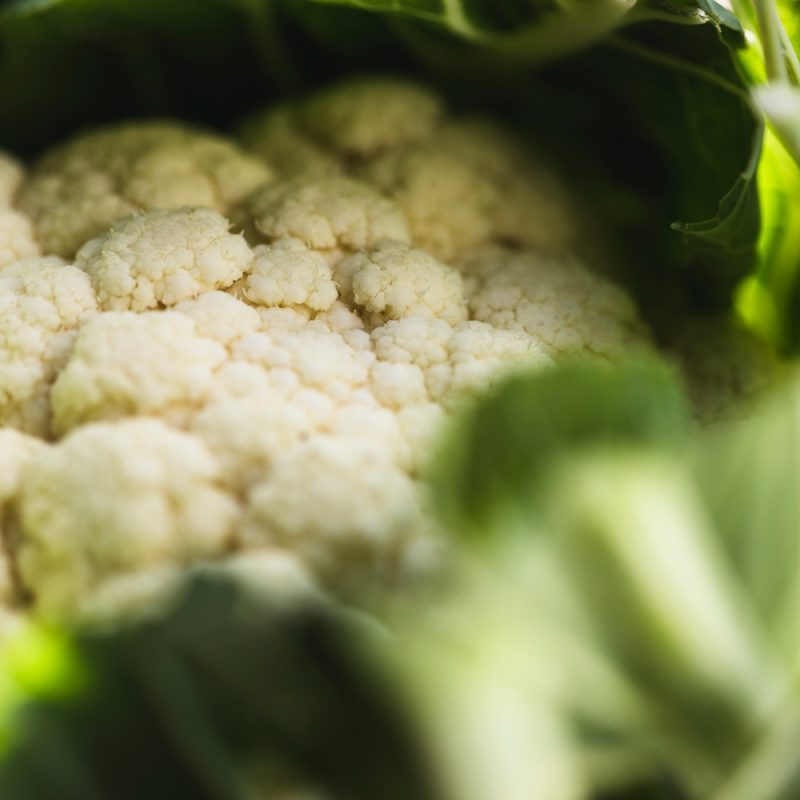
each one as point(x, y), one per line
point(221, 351)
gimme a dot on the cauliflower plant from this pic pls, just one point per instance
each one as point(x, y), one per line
point(211, 355)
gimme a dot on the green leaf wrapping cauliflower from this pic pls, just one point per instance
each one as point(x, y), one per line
point(209, 354)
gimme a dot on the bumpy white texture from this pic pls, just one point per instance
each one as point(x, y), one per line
point(288, 273)
point(16, 452)
point(221, 317)
point(449, 205)
point(10, 178)
point(78, 189)
point(364, 116)
point(326, 214)
point(453, 361)
point(115, 498)
point(362, 510)
point(42, 302)
point(392, 280)
point(557, 301)
point(163, 257)
point(354, 119)
point(16, 237)
point(126, 364)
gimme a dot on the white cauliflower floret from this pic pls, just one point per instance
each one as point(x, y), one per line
point(275, 136)
point(420, 425)
point(341, 319)
point(247, 433)
point(392, 280)
point(327, 214)
point(472, 185)
point(356, 118)
point(478, 356)
point(10, 178)
point(135, 364)
point(116, 498)
point(16, 452)
point(221, 317)
point(454, 360)
point(163, 257)
point(397, 385)
point(450, 207)
point(42, 301)
point(558, 302)
point(16, 237)
point(287, 273)
point(78, 189)
point(338, 506)
point(313, 357)
point(366, 115)
point(289, 318)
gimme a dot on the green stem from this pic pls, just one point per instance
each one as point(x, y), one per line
point(770, 27)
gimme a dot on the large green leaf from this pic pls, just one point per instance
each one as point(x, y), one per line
point(198, 703)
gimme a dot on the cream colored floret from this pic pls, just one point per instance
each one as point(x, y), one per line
point(247, 433)
point(393, 281)
point(354, 119)
point(16, 237)
point(557, 301)
point(16, 453)
point(449, 205)
point(287, 273)
point(453, 360)
point(78, 189)
point(42, 301)
point(313, 357)
point(163, 257)
point(341, 508)
point(127, 364)
point(10, 178)
point(115, 498)
point(364, 116)
point(221, 317)
point(328, 215)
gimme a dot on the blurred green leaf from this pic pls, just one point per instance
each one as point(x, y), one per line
point(499, 456)
point(185, 705)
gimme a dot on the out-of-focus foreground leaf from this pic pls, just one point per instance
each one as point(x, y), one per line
point(207, 700)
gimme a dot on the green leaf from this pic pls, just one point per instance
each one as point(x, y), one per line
point(189, 705)
point(499, 455)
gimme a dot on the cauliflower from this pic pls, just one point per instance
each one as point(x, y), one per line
point(115, 498)
point(557, 301)
point(287, 273)
point(356, 118)
point(326, 214)
point(461, 183)
point(392, 280)
point(78, 190)
point(124, 363)
point(363, 506)
point(42, 303)
point(16, 237)
point(253, 370)
point(163, 257)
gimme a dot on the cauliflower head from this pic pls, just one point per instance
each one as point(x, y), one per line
point(77, 190)
point(213, 356)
